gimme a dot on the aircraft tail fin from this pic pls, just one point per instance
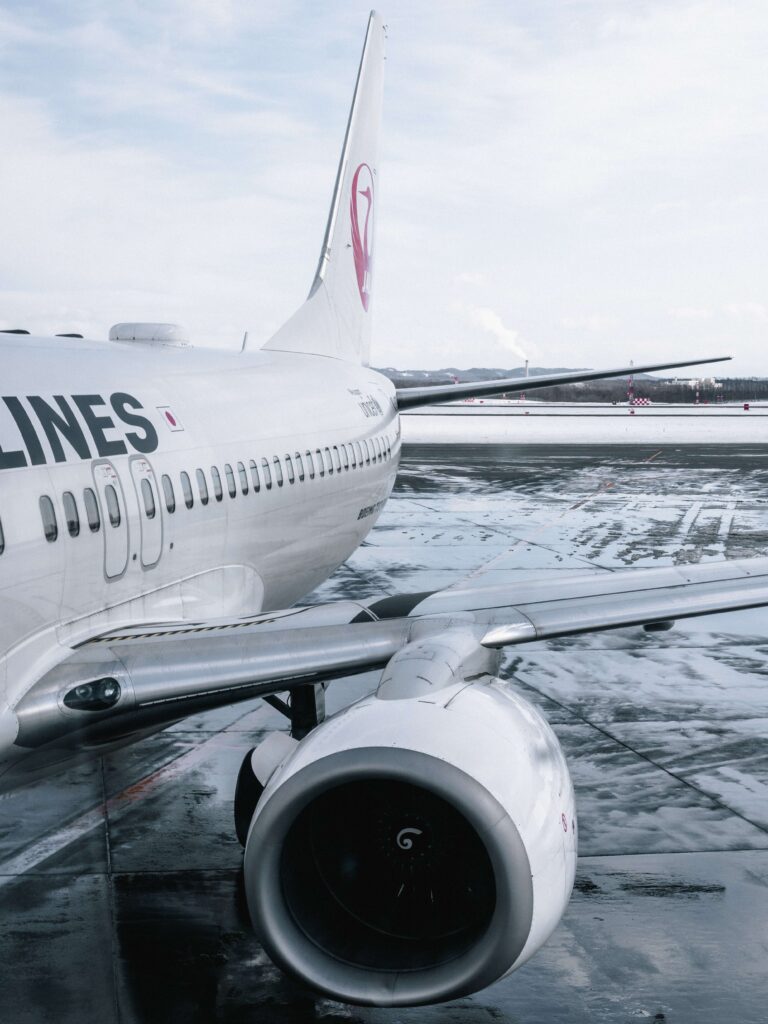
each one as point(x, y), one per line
point(335, 319)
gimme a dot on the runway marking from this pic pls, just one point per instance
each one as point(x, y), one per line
point(602, 488)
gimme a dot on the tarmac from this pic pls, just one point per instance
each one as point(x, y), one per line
point(120, 886)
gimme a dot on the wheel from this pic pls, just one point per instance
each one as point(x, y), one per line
point(247, 793)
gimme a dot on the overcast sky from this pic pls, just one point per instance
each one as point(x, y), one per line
point(584, 181)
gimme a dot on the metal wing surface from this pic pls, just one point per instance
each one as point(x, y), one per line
point(166, 672)
point(410, 398)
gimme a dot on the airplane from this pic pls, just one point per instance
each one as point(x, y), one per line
point(163, 508)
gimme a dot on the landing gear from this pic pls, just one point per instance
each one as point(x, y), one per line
point(305, 709)
point(248, 790)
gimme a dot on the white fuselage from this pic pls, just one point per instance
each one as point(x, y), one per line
point(126, 415)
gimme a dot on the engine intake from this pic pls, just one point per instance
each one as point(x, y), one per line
point(413, 851)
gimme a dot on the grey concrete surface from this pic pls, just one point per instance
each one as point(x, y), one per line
point(120, 894)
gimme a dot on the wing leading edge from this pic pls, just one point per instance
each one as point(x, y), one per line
point(410, 398)
point(165, 673)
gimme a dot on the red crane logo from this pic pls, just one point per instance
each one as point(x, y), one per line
point(361, 217)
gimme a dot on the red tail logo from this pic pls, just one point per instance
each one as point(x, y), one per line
point(361, 209)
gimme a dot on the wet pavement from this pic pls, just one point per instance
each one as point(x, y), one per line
point(120, 889)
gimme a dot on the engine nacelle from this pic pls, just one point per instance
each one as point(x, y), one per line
point(414, 850)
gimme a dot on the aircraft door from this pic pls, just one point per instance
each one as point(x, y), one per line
point(150, 511)
point(115, 518)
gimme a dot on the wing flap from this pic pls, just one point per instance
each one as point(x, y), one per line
point(630, 608)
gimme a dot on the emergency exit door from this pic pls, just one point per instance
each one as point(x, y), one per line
point(150, 511)
point(115, 518)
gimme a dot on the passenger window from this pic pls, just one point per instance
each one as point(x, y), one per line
point(113, 506)
point(186, 489)
point(243, 477)
point(310, 465)
point(289, 469)
point(328, 462)
point(278, 470)
point(320, 464)
point(202, 486)
point(231, 485)
point(378, 449)
point(255, 476)
point(336, 459)
point(2, 538)
point(149, 498)
point(170, 497)
point(265, 472)
point(299, 466)
point(352, 459)
point(50, 526)
point(367, 453)
point(218, 493)
point(71, 515)
point(358, 453)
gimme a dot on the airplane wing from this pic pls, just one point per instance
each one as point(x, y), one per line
point(410, 398)
point(139, 679)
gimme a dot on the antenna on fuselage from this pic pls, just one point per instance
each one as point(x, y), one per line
point(245, 342)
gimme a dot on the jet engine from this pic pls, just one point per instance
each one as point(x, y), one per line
point(418, 845)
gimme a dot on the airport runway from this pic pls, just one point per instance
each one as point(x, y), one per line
point(120, 896)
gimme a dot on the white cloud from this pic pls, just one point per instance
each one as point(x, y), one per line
point(471, 277)
point(595, 322)
point(749, 311)
point(185, 171)
point(691, 313)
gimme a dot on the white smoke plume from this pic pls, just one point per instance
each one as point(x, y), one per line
point(490, 321)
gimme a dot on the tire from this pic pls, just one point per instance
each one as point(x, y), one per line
point(248, 790)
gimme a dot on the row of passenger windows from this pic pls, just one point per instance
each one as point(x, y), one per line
point(72, 515)
point(298, 467)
